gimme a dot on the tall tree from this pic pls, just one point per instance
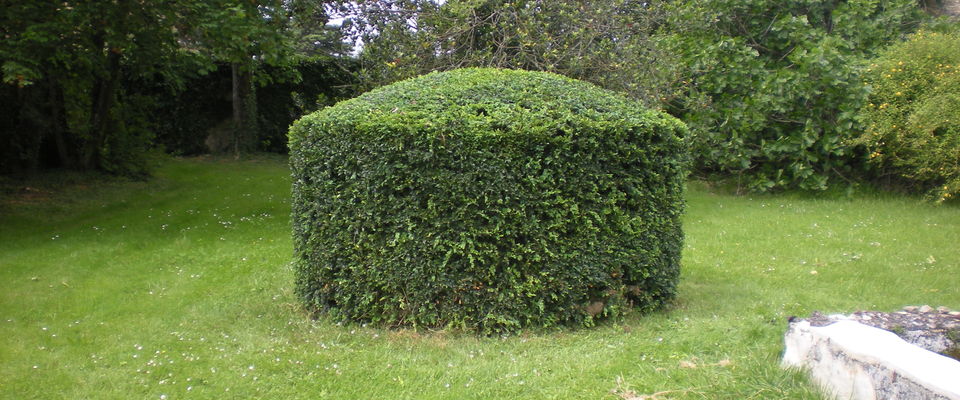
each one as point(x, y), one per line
point(607, 42)
point(243, 34)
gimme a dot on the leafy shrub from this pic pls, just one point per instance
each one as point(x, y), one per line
point(773, 86)
point(913, 115)
point(487, 200)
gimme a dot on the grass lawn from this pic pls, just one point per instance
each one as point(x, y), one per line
point(181, 288)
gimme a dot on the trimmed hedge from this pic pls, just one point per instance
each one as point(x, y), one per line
point(487, 200)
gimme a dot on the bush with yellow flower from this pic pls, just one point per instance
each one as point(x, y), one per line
point(912, 118)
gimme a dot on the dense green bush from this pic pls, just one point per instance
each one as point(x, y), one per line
point(486, 200)
point(773, 87)
point(913, 114)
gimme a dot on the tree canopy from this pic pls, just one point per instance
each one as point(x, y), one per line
point(605, 42)
point(83, 73)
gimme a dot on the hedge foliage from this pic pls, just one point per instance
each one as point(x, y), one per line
point(486, 200)
point(913, 114)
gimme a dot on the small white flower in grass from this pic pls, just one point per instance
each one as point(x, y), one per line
point(163, 397)
point(250, 368)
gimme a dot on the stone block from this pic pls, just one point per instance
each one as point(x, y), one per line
point(859, 362)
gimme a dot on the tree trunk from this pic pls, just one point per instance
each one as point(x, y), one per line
point(23, 153)
point(58, 124)
point(245, 130)
point(104, 96)
point(237, 109)
point(951, 7)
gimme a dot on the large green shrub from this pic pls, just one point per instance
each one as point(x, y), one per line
point(773, 86)
point(913, 114)
point(486, 200)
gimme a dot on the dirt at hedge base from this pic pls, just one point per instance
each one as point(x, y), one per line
point(934, 329)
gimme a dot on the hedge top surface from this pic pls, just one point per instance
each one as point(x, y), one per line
point(485, 101)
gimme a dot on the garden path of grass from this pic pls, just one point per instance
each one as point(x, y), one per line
point(181, 288)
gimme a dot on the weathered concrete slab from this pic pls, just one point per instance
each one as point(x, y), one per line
point(854, 361)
